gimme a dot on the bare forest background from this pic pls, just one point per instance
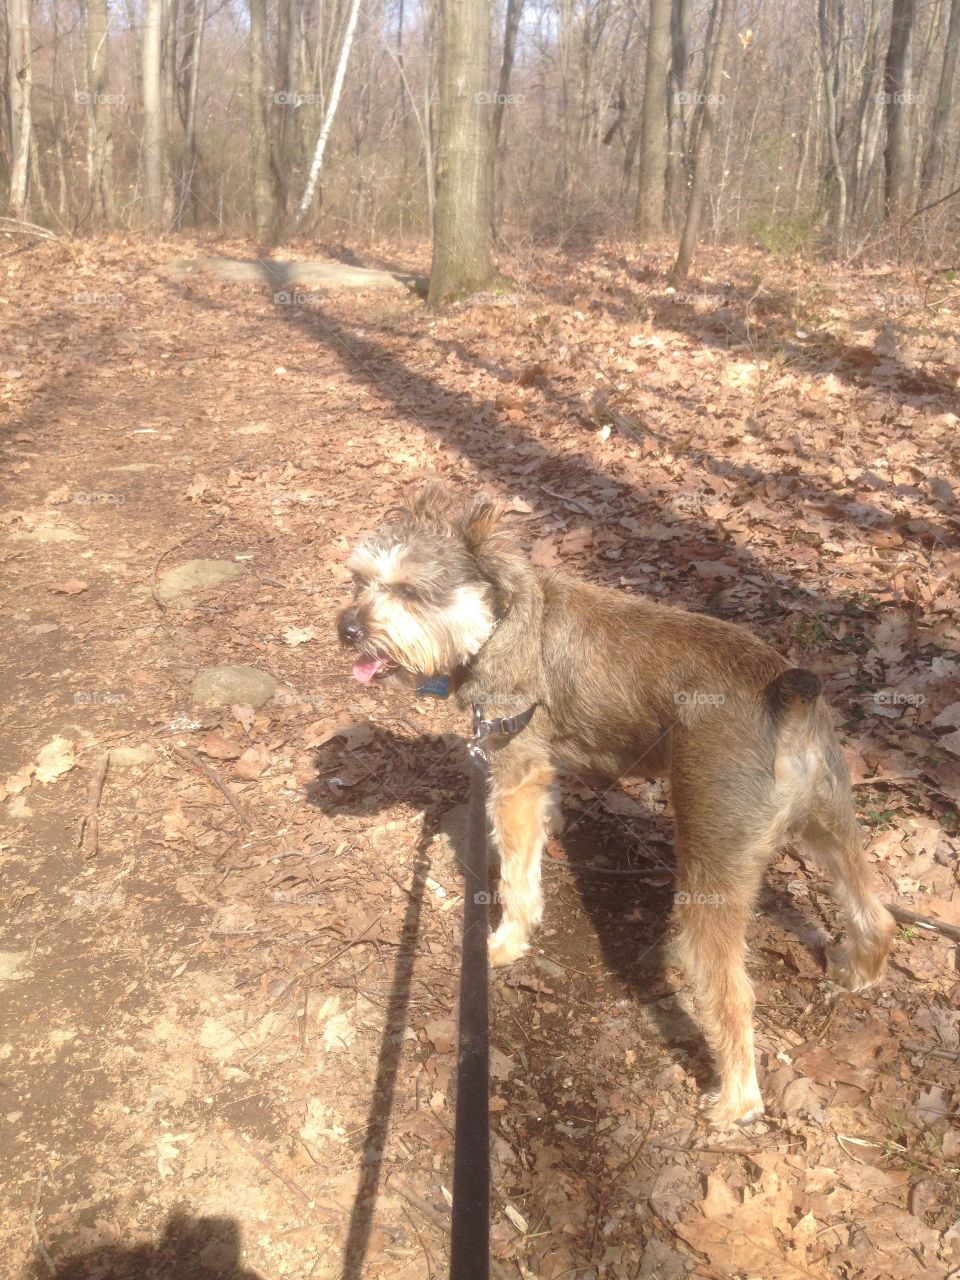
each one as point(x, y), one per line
point(825, 123)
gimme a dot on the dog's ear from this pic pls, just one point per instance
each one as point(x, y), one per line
point(432, 502)
point(494, 549)
point(482, 523)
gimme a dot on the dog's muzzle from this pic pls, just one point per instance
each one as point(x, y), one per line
point(350, 628)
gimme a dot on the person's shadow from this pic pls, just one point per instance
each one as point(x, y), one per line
point(189, 1249)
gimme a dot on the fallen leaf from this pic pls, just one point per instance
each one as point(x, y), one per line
point(252, 763)
point(354, 733)
point(218, 747)
point(69, 587)
point(245, 715)
point(298, 635)
point(18, 781)
point(199, 486)
point(175, 822)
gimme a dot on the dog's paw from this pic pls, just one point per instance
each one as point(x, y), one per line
point(727, 1111)
point(506, 945)
point(853, 970)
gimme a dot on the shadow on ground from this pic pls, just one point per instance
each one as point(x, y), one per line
point(189, 1249)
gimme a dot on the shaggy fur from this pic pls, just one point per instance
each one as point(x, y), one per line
point(626, 687)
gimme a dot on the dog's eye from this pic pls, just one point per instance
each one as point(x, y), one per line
point(406, 592)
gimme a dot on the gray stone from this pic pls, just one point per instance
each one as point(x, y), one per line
point(195, 575)
point(229, 686)
point(10, 962)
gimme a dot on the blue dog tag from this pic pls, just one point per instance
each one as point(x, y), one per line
point(434, 687)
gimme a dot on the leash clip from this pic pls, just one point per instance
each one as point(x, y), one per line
point(504, 727)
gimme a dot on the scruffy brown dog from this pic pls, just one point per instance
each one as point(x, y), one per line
point(624, 686)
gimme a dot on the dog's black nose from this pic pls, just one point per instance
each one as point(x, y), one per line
point(349, 629)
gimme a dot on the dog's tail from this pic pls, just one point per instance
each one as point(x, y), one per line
point(793, 700)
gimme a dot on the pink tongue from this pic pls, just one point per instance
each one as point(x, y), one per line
point(364, 669)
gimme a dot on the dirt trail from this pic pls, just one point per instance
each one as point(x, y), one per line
point(227, 1033)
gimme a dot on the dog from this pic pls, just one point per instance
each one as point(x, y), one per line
point(619, 686)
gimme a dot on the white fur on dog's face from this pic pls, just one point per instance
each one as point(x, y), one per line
point(428, 616)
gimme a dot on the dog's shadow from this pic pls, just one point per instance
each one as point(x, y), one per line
point(608, 879)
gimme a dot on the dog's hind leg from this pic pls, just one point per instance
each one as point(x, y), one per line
point(712, 913)
point(521, 803)
point(808, 759)
point(728, 825)
point(833, 836)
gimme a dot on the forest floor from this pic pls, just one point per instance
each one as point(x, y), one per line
point(227, 1011)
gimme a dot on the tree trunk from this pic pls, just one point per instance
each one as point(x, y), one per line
point(152, 115)
point(511, 26)
point(681, 18)
point(333, 102)
point(866, 95)
point(187, 203)
point(288, 64)
point(99, 131)
point(652, 189)
point(19, 85)
point(935, 153)
point(462, 259)
point(263, 207)
point(701, 161)
point(896, 82)
point(830, 67)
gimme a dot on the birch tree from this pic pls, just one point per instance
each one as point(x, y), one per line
point(316, 165)
point(19, 87)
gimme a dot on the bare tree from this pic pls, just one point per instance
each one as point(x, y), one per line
point(316, 165)
point(897, 96)
point(462, 260)
point(681, 22)
point(99, 131)
point(704, 150)
point(289, 55)
point(263, 203)
point(152, 114)
point(510, 28)
point(652, 190)
point(19, 87)
point(830, 40)
point(936, 150)
point(195, 14)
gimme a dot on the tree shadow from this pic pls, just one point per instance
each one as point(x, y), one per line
point(190, 1248)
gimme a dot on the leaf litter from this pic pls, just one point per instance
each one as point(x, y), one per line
point(217, 1000)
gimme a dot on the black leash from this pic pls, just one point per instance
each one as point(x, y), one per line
point(470, 1225)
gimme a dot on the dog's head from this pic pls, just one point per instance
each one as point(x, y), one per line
point(430, 585)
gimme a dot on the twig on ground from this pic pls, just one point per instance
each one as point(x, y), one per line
point(289, 1183)
point(90, 822)
point(212, 776)
point(903, 916)
point(35, 1230)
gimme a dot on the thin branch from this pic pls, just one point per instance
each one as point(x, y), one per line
point(212, 776)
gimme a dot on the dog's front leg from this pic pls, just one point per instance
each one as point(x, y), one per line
point(521, 800)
